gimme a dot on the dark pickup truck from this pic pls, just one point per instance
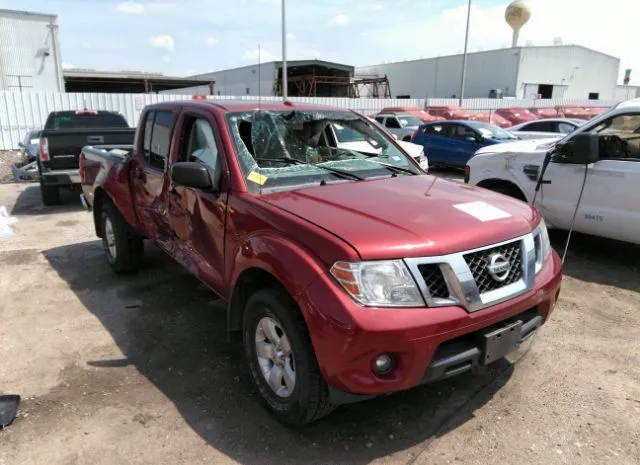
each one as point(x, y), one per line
point(349, 273)
point(64, 135)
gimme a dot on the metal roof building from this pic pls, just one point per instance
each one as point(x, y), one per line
point(305, 77)
point(125, 82)
point(29, 52)
point(558, 71)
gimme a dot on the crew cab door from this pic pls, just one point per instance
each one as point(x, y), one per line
point(609, 204)
point(148, 174)
point(197, 217)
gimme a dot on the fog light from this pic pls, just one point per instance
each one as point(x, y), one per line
point(384, 363)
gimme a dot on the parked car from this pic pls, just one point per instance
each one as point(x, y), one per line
point(574, 112)
point(545, 112)
point(453, 143)
point(516, 115)
point(62, 139)
point(29, 146)
point(491, 118)
point(422, 115)
point(548, 127)
point(450, 112)
point(329, 260)
point(609, 206)
point(402, 125)
point(351, 139)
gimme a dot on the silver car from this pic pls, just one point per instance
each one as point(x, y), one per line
point(402, 125)
point(548, 127)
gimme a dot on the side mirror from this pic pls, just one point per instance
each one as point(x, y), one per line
point(582, 149)
point(191, 174)
point(395, 136)
point(471, 139)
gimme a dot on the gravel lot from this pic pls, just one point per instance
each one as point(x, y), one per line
point(137, 369)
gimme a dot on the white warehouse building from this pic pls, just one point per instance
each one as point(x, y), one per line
point(29, 52)
point(558, 71)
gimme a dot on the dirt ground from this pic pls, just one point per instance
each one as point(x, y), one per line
point(137, 369)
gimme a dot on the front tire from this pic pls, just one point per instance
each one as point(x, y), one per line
point(281, 360)
point(122, 245)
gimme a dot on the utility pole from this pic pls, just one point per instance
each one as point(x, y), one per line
point(284, 51)
point(464, 57)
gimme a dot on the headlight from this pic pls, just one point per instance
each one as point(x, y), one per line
point(378, 284)
point(542, 243)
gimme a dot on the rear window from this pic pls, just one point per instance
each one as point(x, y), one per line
point(86, 120)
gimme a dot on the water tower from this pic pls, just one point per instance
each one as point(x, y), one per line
point(517, 14)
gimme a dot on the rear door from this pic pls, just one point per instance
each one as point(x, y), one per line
point(463, 144)
point(149, 178)
point(197, 217)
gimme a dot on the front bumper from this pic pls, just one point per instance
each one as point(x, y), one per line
point(60, 177)
point(348, 337)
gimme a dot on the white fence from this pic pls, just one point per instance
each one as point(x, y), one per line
point(24, 111)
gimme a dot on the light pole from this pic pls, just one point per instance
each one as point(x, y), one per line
point(284, 51)
point(464, 56)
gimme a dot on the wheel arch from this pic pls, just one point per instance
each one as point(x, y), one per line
point(504, 187)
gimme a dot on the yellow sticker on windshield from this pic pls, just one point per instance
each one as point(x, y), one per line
point(257, 178)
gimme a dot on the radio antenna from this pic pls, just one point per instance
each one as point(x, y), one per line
point(259, 80)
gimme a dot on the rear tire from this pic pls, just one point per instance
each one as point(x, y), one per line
point(50, 194)
point(299, 395)
point(122, 245)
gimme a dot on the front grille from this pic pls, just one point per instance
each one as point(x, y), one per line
point(432, 275)
point(478, 262)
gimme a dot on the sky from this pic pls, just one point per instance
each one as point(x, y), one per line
point(186, 37)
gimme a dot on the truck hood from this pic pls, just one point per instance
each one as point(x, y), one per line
point(522, 146)
point(409, 216)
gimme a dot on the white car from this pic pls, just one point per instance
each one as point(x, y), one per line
point(610, 203)
point(402, 124)
point(353, 140)
point(547, 127)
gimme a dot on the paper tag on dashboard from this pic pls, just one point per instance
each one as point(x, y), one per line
point(257, 178)
point(482, 211)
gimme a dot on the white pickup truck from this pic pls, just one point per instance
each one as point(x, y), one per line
point(610, 204)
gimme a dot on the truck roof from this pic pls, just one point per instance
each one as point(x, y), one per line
point(245, 105)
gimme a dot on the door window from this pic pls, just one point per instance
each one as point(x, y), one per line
point(157, 138)
point(565, 128)
point(199, 143)
point(392, 123)
point(461, 132)
point(160, 139)
point(380, 119)
point(148, 129)
point(435, 130)
point(540, 126)
point(619, 137)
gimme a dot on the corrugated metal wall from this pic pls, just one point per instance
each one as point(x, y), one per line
point(29, 52)
point(24, 111)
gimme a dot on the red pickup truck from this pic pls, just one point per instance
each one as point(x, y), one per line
point(349, 274)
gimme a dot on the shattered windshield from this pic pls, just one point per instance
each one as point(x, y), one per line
point(285, 150)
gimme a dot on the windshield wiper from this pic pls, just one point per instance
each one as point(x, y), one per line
point(394, 168)
point(293, 161)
